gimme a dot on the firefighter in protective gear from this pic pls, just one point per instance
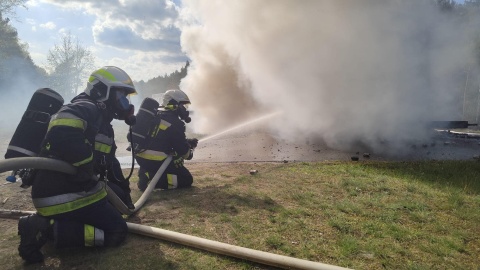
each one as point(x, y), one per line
point(74, 208)
point(167, 137)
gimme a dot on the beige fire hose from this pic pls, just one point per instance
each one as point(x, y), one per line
point(184, 239)
point(118, 203)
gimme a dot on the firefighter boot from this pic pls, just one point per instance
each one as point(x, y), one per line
point(33, 235)
point(142, 180)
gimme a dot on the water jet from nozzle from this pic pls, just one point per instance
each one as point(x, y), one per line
point(261, 118)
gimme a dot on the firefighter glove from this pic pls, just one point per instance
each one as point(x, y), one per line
point(178, 162)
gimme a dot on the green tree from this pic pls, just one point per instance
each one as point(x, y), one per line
point(446, 5)
point(16, 66)
point(7, 6)
point(161, 84)
point(69, 64)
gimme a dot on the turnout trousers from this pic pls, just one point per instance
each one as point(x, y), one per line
point(98, 224)
point(175, 176)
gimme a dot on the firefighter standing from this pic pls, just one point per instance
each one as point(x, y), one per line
point(167, 137)
point(73, 210)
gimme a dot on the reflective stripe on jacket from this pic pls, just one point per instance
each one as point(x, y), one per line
point(67, 119)
point(71, 132)
point(103, 143)
point(152, 155)
point(63, 203)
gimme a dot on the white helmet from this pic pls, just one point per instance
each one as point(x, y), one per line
point(172, 98)
point(108, 78)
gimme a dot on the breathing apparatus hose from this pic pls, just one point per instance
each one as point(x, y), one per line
point(133, 155)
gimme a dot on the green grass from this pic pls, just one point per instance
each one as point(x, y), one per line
point(361, 215)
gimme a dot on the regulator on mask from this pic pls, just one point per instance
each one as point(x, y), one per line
point(183, 113)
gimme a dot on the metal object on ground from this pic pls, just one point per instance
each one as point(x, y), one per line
point(450, 124)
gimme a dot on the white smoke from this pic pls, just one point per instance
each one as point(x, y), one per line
point(343, 71)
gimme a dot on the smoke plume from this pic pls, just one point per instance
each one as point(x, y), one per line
point(343, 71)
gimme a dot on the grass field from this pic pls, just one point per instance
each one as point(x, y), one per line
point(360, 215)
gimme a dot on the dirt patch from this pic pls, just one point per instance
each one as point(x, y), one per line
point(13, 197)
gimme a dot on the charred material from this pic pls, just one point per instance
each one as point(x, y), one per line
point(450, 124)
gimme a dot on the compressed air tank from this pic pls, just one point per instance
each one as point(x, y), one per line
point(145, 118)
point(31, 130)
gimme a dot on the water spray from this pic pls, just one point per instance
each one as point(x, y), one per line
point(261, 118)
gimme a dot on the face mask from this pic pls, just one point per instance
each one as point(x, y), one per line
point(122, 103)
point(183, 113)
point(123, 110)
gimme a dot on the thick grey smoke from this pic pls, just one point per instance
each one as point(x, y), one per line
point(17, 91)
point(344, 71)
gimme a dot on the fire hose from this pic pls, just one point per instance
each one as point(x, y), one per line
point(64, 167)
point(183, 239)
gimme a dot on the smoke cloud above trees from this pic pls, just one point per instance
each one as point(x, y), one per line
point(345, 72)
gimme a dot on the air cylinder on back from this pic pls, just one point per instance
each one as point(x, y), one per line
point(145, 117)
point(31, 130)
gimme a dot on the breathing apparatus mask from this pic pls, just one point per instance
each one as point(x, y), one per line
point(183, 112)
point(119, 105)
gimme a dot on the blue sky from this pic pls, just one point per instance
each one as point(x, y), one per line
point(142, 37)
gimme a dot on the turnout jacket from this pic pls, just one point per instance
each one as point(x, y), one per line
point(167, 137)
point(71, 137)
point(104, 158)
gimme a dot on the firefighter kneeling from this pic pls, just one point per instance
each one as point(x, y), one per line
point(73, 210)
point(167, 137)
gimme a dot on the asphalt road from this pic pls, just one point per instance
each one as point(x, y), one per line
point(257, 145)
point(253, 144)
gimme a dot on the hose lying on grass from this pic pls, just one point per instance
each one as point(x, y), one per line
point(183, 239)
